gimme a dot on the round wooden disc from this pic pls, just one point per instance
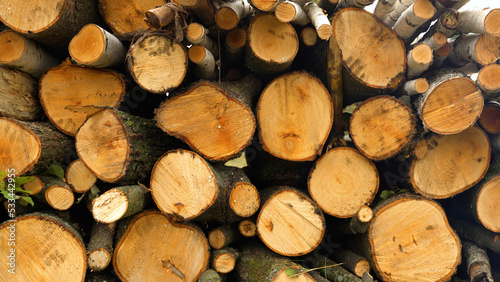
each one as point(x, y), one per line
point(88, 45)
point(411, 240)
point(488, 205)
point(99, 259)
point(13, 46)
point(490, 118)
point(487, 77)
point(244, 199)
point(285, 12)
point(102, 143)
point(158, 64)
point(492, 22)
point(343, 181)
point(224, 263)
point(381, 126)
point(183, 185)
point(60, 197)
point(487, 51)
point(79, 177)
point(452, 163)
point(28, 16)
point(45, 250)
point(110, 206)
point(14, 137)
point(290, 224)
point(155, 249)
point(226, 18)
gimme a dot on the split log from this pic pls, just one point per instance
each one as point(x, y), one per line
point(79, 177)
point(70, 93)
point(223, 124)
point(46, 249)
point(382, 127)
point(19, 96)
point(222, 236)
point(295, 115)
point(257, 263)
point(478, 263)
point(490, 117)
point(414, 87)
point(24, 54)
point(418, 13)
point(419, 60)
point(380, 67)
point(351, 261)
point(476, 233)
point(31, 146)
point(231, 13)
point(319, 20)
point(247, 228)
point(93, 46)
point(124, 16)
point(100, 247)
point(488, 82)
point(410, 239)
point(224, 260)
point(343, 181)
point(291, 12)
point(330, 269)
point(451, 164)
point(204, 9)
point(480, 49)
point(197, 34)
point(289, 223)
point(52, 23)
point(157, 63)
point(483, 21)
point(183, 185)
point(119, 202)
point(205, 65)
point(272, 45)
point(153, 248)
point(452, 104)
point(120, 148)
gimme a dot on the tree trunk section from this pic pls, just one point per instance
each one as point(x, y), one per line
point(100, 247)
point(416, 15)
point(153, 248)
point(452, 104)
point(70, 93)
point(289, 223)
point(210, 275)
point(477, 234)
point(343, 181)
point(198, 35)
point(93, 46)
point(204, 9)
point(24, 54)
point(121, 148)
point(222, 126)
point(247, 228)
point(52, 23)
point(351, 261)
point(272, 45)
point(357, 224)
point(222, 236)
point(291, 12)
point(478, 263)
point(381, 127)
point(490, 117)
point(368, 73)
point(32, 146)
point(415, 87)
point(231, 13)
point(419, 60)
point(319, 20)
point(487, 81)
point(205, 65)
point(46, 249)
point(19, 96)
point(295, 115)
point(224, 260)
point(451, 164)
point(480, 49)
point(483, 21)
point(119, 202)
point(79, 177)
point(56, 193)
point(125, 16)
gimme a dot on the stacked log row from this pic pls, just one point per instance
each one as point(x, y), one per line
point(270, 139)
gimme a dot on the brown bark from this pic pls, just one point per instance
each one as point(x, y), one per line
point(476, 233)
point(119, 202)
point(100, 247)
point(358, 224)
point(478, 264)
point(351, 261)
point(223, 260)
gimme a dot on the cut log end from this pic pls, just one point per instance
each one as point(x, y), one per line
point(365, 214)
point(424, 9)
point(12, 46)
point(265, 5)
point(131, 15)
point(381, 127)
point(439, 38)
point(422, 54)
point(236, 38)
point(177, 181)
point(298, 216)
point(88, 45)
point(247, 228)
point(467, 154)
point(421, 85)
point(110, 206)
point(60, 197)
point(226, 18)
point(24, 142)
point(244, 199)
point(285, 12)
point(224, 260)
point(487, 79)
point(488, 205)
point(98, 259)
point(79, 177)
point(492, 22)
point(197, 53)
point(486, 49)
point(430, 238)
point(343, 181)
point(27, 24)
point(34, 186)
point(490, 118)
point(309, 36)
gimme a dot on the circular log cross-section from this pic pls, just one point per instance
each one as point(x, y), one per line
point(289, 223)
point(373, 54)
point(343, 181)
point(157, 63)
point(381, 127)
point(487, 80)
point(488, 204)
point(452, 163)
point(295, 115)
point(155, 249)
point(244, 199)
point(69, 93)
point(60, 197)
point(79, 177)
point(46, 249)
point(411, 240)
point(272, 45)
point(118, 203)
point(183, 184)
point(490, 117)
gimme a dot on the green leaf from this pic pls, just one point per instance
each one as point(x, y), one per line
point(21, 180)
point(291, 271)
point(28, 200)
point(55, 170)
point(386, 194)
point(18, 189)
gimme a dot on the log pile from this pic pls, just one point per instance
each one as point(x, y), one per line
point(249, 140)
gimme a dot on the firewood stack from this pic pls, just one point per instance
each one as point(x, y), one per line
point(249, 140)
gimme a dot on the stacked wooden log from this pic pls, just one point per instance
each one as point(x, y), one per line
point(199, 140)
